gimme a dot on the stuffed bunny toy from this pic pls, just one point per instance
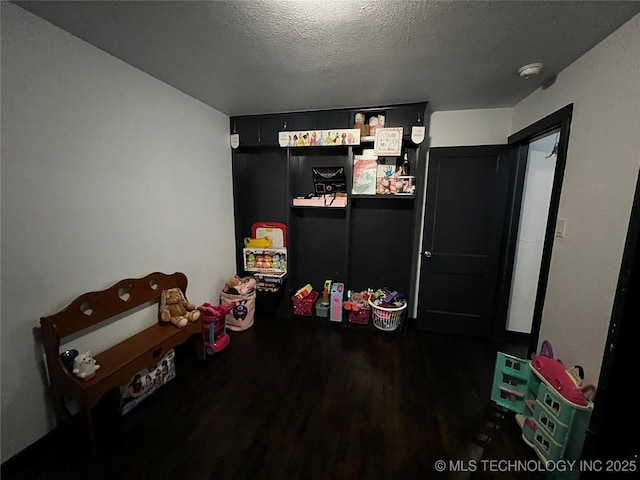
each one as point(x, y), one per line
point(176, 309)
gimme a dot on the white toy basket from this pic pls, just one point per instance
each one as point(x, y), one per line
point(385, 318)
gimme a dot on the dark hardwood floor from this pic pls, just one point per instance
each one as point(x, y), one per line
point(304, 399)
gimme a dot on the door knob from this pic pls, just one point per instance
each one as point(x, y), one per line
point(427, 253)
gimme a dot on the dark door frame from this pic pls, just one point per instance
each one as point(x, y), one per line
point(561, 119)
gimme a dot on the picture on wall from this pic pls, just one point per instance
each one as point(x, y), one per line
point(319, 138)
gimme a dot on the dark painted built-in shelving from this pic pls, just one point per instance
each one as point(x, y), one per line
point(371, 242)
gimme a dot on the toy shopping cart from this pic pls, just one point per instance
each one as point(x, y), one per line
point(215, 333)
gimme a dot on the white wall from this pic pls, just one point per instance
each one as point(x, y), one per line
point(600, 178)
point(456, 128)
point(534, 213)
point(107, 174)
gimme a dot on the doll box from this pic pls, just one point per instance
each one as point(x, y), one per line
point(335, 308)
point(147, 381)
point(269, 282)
point(405, 185)
point(265, 260)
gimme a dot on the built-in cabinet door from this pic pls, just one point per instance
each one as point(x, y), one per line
point(302, 121)
point(405, 117)
point(259, 191)
point(270, 127)
point(248, 128)
point(334, 119)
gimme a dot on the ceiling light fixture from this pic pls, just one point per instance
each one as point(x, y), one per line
point(529, 70)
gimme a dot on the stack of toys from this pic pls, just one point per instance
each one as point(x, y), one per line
point(240, 285)
point(386, 298)
point(388, 309)
point(358, 307)
point(240, 291)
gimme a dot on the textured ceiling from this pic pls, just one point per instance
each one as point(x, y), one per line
point(270, 56)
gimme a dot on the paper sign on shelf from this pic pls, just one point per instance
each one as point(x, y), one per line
point(388, 142)
point(417, 134)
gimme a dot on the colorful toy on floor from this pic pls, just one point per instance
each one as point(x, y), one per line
point(215, 333)
point(336, 296)
point(303, 292)
point(240, 285)
point(556, 374)
point(276, 231)
point(386, 298)
point(326, 292)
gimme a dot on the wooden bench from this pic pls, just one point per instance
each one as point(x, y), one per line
point(121, 362)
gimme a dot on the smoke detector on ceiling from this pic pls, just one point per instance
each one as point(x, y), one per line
point(529, 70)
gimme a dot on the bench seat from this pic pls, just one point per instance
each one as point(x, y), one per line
point(119, 363)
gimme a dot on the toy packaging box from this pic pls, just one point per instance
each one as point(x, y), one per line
point(265, 260)
point(335, 309)
point(147, 381)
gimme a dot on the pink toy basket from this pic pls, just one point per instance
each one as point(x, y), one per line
point(361, 316)
point(304, 306)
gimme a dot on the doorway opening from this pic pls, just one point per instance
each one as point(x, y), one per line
point(481, 205)
point(555, 129)
point(534, 214)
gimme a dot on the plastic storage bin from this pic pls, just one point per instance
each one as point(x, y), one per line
point(387, 319)
point(304, 306)
point(361, 316)
point(322, 309)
